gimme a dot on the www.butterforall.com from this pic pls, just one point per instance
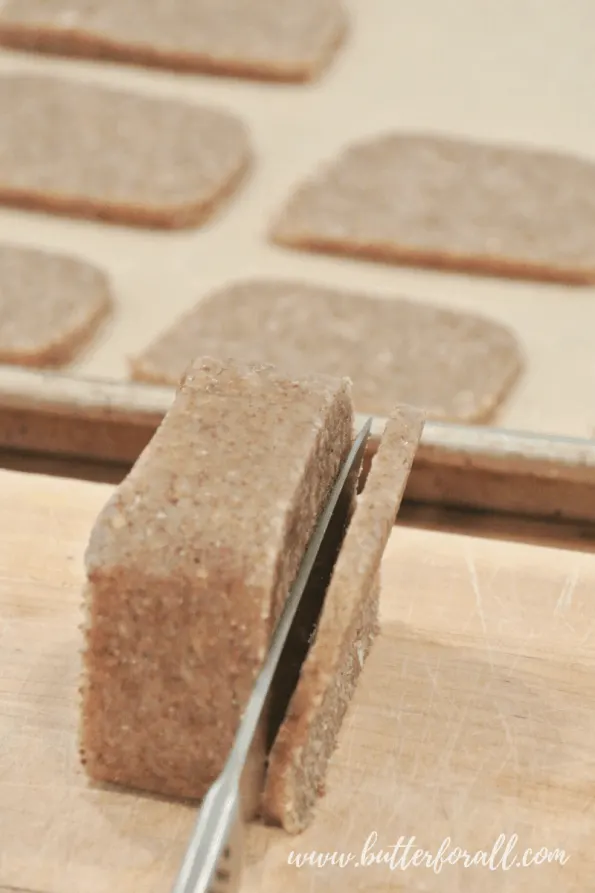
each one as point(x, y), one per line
point(504, 855)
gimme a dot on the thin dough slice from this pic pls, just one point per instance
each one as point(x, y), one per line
point(89, 151)
point(285, 40)
point(442, 202)
point(344, 636)
point(50, 306)
point(455, 366)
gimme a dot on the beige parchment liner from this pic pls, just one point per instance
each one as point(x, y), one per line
point(502, 74)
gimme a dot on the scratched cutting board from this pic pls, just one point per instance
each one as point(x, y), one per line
point(475, 718)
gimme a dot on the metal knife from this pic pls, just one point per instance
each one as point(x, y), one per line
point(213, 860)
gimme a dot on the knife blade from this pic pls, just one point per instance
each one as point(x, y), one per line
point(213, 860)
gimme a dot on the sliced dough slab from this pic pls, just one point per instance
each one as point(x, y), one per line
point(287, 40)
point(439, 202)
point(189, 565)
point(50, 306)
point(347, 625)
point(455, 366)
point(90, 151)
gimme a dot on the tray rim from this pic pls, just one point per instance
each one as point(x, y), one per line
point(45, 398)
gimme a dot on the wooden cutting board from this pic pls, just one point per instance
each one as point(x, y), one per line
point(475, 718)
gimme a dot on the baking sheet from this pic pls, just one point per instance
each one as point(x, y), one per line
point(503, 71)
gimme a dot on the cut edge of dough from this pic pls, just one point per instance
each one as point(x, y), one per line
point(307, 738)
point(84, 44)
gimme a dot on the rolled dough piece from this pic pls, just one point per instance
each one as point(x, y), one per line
point(50, 306)
point(188, 567)
point(437, 201)
point(348, 623)
point(456, 366)
point(285, 40)
point(89, 151)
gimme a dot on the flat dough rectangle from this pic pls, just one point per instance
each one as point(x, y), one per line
point(51, 305)
point(455, 366)
point(285, 40)
point(437, 201)
point(188, 567)
point(90, 151)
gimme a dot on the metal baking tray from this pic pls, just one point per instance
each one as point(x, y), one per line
point(456, 465)
point(435, 66)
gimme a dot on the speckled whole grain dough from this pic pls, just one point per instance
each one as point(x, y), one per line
point(188, 566)
point(456, 366)
point(287, 40)
point(91, 151)
point(346, 629)
point(50, 306)
point(436, 201)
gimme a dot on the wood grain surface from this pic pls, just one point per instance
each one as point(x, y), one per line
point(473, 719)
